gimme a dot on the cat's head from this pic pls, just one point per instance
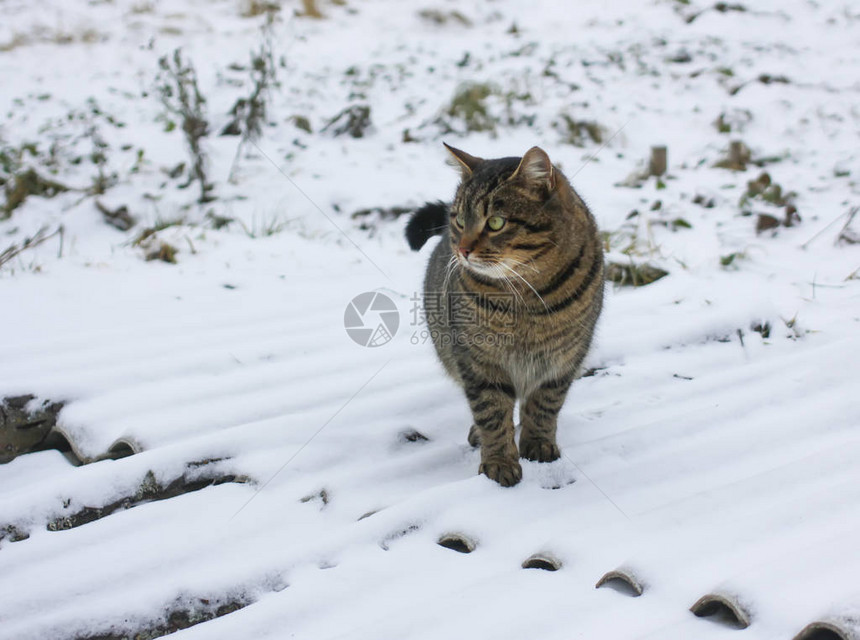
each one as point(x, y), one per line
point(500, 219)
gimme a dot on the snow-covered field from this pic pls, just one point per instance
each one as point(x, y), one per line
point(286, 482)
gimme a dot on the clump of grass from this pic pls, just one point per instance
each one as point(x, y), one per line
point(28, 182)
point(155, 248)
point(578, 132)
point(730, 260)
point(795, 331)
point(722, 125)
point(18, 40)
point(264, 227)
point(720, 7)
point(164, 252)
point(353, 121)
point(40, 237)
point(633, 275)
point(310, 10)
point(59, 37)
point(254, 8)
point(732, 120)
point(704, 201)
point(674, 225)
point(181, 97)
point(762, 327)
point(635, 237)
point(302, 122)
point(322, 496)
point(143, 7)
point(102, 181)
point(469, 105)
point(765, 189)
point(444, 18)
point(119, 218)
point(88, 36)
point(68, 143)
point(219, 222)
point(249, 113)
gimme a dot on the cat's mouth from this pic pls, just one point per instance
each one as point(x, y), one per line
point(481, 266)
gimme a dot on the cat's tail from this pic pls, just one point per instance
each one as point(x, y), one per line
point(430, 220)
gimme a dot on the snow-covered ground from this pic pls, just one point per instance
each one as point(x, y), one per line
point(712, 449)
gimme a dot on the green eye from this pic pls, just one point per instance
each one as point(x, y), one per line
point(496, 222)
point(460, 220)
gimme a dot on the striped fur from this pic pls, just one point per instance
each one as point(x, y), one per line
point(512, 312)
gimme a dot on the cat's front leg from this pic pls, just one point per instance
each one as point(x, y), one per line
point(492, 405)
point(539, 417)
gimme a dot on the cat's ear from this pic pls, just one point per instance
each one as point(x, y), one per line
point(536, 169)
point(466, 162)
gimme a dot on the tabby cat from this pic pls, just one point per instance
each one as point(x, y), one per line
point(511, 297)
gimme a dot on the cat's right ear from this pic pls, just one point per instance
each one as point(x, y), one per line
point(536, 169)
point(467, 163)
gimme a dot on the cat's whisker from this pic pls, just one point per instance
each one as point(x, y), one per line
point(501, 275)
point(449, 271)
point(520, 263)
point(507, 281)
point(512, 287)
point(527, 284)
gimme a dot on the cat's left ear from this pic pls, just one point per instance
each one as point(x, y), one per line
point(536, 169)
point(467, 163)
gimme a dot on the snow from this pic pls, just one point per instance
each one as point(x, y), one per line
point(701, 455)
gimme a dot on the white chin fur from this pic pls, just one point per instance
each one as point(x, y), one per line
point(488, 271)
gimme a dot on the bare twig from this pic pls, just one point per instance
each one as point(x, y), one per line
point(180, 95)
point(249, 114)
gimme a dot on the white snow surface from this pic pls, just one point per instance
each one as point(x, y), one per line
point(701, 456)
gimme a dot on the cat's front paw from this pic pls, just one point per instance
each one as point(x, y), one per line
point(539, 450)
point(502, 470)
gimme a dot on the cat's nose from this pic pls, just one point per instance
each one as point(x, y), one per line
point(465, 249)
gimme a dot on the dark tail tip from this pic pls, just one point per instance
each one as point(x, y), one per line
point(430, 220)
